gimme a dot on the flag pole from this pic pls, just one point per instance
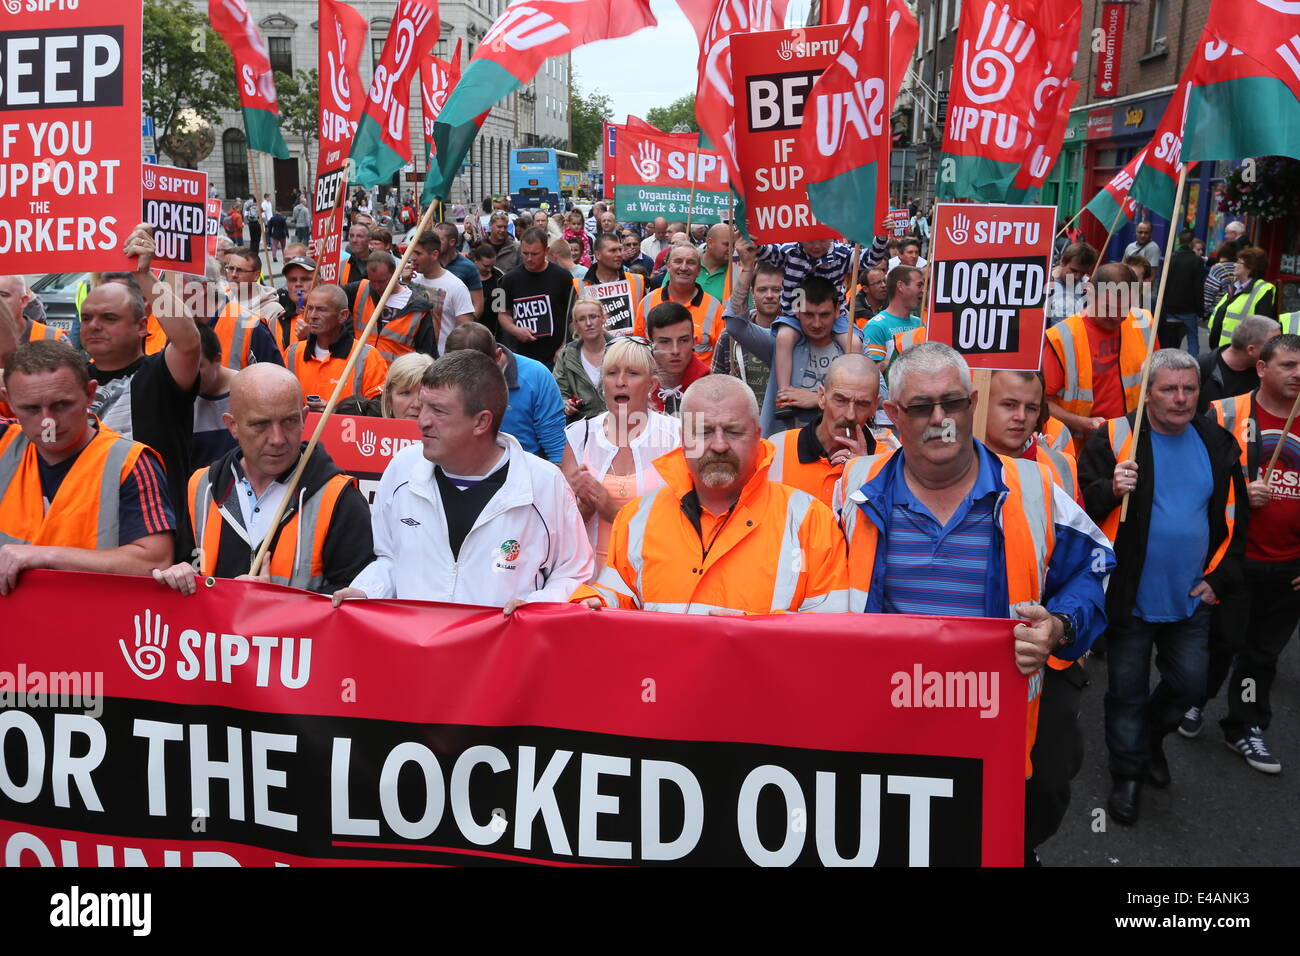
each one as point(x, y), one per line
point(853, 292)
point(257, 205)
point(695, 161)
point(344, 377)
point(1114, 224)
point(1277, 452)
point(1155, 320)
point(1070, 221)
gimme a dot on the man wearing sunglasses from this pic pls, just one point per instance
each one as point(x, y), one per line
point(944, 526)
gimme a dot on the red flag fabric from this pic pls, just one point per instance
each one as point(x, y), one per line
point(1156, 183)
point(716, 22)
point(903, 35)
point(844, 140)
point(998, 64)
point(1058, 22)
point(1114, 196)
point(342, 95)
point(437, 77)
point(1267, 31)
point(253, 76)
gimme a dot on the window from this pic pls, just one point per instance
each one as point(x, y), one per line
point(281, 52)
point(376, 50)
point(943, 17)
point(956, 15)
point(1159, 16)
point(930, 36)
point(234, 155)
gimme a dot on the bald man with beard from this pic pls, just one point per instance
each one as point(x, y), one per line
point(322, 540)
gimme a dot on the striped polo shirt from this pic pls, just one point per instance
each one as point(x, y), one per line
point(835, 266)
point(941, 570)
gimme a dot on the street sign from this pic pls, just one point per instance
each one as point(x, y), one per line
point(150, 159)
point(146, 126)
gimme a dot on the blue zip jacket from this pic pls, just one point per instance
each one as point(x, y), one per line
point(1078, 567)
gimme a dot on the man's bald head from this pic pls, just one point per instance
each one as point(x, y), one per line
point(852, 367)
point(15, 286)
point(261, 386)
point(715, 389)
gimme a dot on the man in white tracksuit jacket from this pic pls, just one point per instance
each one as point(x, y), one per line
point(469, 517)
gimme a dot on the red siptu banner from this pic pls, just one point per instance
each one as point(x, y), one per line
point(176, 205)
point(342, 37)
point(773, 74)
point(70, 176)
point(214, 224)
point(988, 282)
point(1106, 82)
point(253, 724)
point(363, 446)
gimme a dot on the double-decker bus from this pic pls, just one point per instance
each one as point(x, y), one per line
point(542, 175)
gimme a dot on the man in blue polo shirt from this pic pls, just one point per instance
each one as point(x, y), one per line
point(535, 413)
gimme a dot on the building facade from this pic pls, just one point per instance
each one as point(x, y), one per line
point(537, 114)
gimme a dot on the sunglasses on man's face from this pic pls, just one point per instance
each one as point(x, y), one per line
point(951, 406)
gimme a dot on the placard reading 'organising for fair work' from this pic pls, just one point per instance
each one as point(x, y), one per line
point(988, 282)
point(69, 135)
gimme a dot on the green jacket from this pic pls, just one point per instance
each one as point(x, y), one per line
point(573, 380)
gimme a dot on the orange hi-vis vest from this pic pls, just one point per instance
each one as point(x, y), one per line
point(156, 340)
point(319, 378)
point(706, 314)
point(396, 338)
point(1120, 434)
point(1028, 535)
point(235, 325)
point(1069, 340)
point(778, 550)
point(291, 561)
point(1064, 467)
point(40, 330)
point(1057, 435)
point(1234, 414)
point(84, 512)
point(902, 341)
point(818, 478)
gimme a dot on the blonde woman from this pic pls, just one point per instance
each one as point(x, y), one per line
point(401, 395)
point(608, 459)
point(578, 369)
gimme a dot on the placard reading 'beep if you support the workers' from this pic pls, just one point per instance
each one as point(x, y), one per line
point(988, 282)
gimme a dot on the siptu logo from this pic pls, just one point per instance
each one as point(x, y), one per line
point(150, 178)
point(13, 6)
point(509, 550)
point(149, 658)
point(999, 50)
point(646, 162)
point(959, 231)
point(786, 50)
point(365, 442)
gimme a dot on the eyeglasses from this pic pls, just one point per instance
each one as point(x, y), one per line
point(951, 406)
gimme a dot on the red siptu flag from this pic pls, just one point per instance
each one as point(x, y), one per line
point(253, 75)
point(844, 140)
point(383, 142)
point(715, 23)
point(1058, 22)
point(1114, 196)
point(903, 34)
point(999, 61)
point(1155, 184)
point(437, 77)
point(342, 38)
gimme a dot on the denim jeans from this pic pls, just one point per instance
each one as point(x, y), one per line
point(1193, 323)
point(1132, 716)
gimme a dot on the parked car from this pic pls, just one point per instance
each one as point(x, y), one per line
point(58, 293)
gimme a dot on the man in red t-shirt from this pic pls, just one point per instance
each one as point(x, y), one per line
point(1266, 613)
point(1108, 299)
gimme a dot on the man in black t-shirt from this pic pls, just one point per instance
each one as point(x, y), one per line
point(147, 398)
point(485, 261)
point(534, 311)
point(1230, 369)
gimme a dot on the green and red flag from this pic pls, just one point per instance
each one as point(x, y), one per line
point(1114, 196)
point(1245, 98)
point(999, 60)
point(1054, 92)
point(382, 145)
point(253, 76)
point(1155, 184)
point(844, 140)
point(437, 79)
point(514, 48)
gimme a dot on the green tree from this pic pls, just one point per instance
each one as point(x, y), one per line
point(678, 111)
point(184, 64)
point(299, 96)
point(587, 111)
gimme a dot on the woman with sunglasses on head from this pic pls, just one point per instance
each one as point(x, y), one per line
point(578, 367)
point(608, 458)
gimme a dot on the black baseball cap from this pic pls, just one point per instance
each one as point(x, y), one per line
point(302, 262)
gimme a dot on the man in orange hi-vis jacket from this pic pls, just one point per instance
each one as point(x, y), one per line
point(721, 537)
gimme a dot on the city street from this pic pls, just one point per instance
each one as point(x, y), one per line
point(1217, 812)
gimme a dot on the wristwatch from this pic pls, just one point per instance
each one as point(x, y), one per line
point(1067, 635)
